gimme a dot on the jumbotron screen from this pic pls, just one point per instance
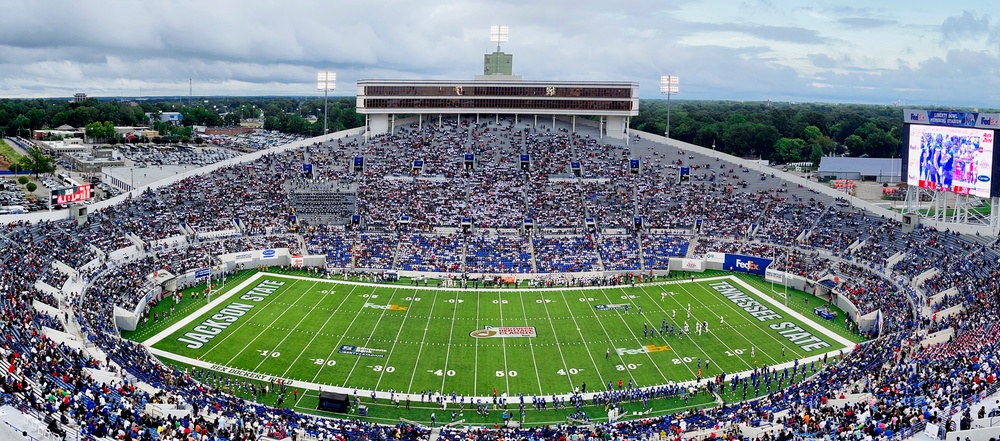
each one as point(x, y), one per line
point(953, 159)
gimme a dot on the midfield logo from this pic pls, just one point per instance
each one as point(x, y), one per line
point(504, 332)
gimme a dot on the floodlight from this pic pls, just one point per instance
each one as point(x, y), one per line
point(499, 33)
point(325, 82)
point(669, 84)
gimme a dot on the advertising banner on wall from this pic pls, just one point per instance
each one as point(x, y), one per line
point(243, 256)
point(775, 276)
point(745, 264)
point(715, 257)
point(692, 265)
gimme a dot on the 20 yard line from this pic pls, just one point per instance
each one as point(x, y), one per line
point(369, 339)
point(648, 355)
point(318, 331)
point(423, 338)
point(292, 331)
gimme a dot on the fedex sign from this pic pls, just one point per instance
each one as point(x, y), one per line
point(745, 264)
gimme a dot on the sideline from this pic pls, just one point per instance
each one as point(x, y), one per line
point(308, 385)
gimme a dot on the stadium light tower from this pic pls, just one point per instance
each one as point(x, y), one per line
point(669, 86)
point(325, 82)
point(498, 34)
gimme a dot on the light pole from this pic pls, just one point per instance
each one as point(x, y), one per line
point(325, 82)
point(668, 85)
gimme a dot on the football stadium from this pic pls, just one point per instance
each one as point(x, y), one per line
point(503, 259)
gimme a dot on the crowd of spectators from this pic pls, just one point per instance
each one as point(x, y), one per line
point(725, 209)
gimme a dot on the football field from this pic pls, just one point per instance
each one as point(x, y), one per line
point(313, 332)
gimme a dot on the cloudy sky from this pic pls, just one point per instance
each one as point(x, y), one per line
point(914, 52)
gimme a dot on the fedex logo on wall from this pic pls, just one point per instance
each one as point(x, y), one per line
point(745, 264)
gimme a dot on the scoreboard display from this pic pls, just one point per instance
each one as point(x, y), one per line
point(951, 151)
point(68, 195)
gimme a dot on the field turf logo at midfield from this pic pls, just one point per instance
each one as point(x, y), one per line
point(648, 349)
point(504, 332)
point(361, 351)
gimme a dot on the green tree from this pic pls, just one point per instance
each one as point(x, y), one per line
point(816, 155)
point(31, 187)
point(22, 180)
point(37, 161)
point(854, 143)
point(788, 150)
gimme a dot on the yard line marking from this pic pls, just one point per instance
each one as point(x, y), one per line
point(475, 372)
point(447, 354)
point(287, 334)
point(243, 323)
point(369, 340)
point(340, 341)
point(677, 324)
point(423, 338)
point(531, 346)
point(318, 331)
point(554, 337)
point(503, 342)
point(396, 340)
point(594, 362)
point(648, 355)
point(742, 313)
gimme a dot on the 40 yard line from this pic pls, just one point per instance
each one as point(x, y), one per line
point(423, 338)
point(503, 342)
point(531, 347)
point(447, 354)
point(592, 361)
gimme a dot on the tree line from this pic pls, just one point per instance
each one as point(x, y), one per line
point(19, 117)
point(779, 132)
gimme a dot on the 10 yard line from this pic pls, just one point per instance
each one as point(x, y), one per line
point(241, 351)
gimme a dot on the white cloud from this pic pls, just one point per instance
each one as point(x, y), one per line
point(728, 49)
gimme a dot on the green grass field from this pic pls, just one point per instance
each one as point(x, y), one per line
point(312, 331)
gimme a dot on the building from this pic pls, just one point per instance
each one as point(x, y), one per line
point(861, 169)
point(499, 92)
point(79, 97)
point(174, 118)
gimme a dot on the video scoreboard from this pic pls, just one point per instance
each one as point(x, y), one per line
point(951, 151)
point(68, 195)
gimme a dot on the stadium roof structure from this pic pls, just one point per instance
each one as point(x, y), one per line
point(883, 169)
point(613, 101)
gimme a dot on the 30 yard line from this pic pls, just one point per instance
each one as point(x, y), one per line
point(423, 338)
point(661, 308)
point(339, 343)
point(369, 339)
point(311, 340)
point(594, 362)
point(649, 356)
